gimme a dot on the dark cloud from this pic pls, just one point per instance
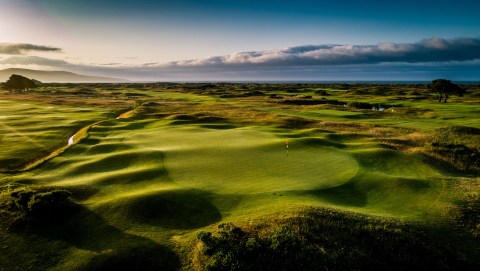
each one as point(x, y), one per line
point(21, 48)
point(427, 50)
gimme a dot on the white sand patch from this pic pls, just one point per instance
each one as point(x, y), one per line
point(70, 140)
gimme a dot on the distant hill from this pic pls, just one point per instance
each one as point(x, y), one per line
point(57, 76)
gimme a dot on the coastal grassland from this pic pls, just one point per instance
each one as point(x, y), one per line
point(181, 176)
point(31, 130)
point(158, 181)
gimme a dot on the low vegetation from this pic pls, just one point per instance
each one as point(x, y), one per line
point(31, 208)
point(18, 82)
point(324, 239)
point(239, 176)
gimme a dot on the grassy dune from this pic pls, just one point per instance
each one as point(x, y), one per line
point(33, 130)
point(180, 162)
point(123, 162)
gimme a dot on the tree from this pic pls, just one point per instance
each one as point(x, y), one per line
point(18, 82)
point(445, 88)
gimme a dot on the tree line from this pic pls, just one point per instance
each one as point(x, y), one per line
point(442, 87)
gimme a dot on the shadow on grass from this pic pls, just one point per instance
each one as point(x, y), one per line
point(354, 193)
point(225, 126)
point(119, 125)
point(114, 249)
point(108, 148)
point(90, 141)
point(116, 162)
point(131, 177)
point(413, 184)
point(346, 195)
point(296, 123)
point(447, 169)
point(200, 118)
point(177, 209)
point(320, 142)
point(341, 137)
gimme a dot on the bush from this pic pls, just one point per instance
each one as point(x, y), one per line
point(360, 105)
point(30, 207)
point(231, 248)
point(322, 92)
point(328, 240)
point(460, 156)
point(466, 130)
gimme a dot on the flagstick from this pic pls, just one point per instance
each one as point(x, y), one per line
point(286, 144)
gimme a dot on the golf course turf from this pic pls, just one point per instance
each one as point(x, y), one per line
point(176, 177)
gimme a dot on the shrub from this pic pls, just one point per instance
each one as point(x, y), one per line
point(231, 248)
point(328, 240)
point(460, 156)
point(322, 92)
point(467, 215)
point(360, 105)
point(30, 207)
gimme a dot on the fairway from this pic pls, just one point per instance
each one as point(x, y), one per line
point(33, 130)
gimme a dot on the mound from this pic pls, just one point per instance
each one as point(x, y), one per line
point(184, 209)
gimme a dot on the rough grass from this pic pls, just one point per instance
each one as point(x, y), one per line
point(184, 159)
point(323, 239)
point(453, 147)
point(466, 213)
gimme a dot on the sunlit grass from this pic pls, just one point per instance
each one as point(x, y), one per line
point(176, 163)
point(33, 130)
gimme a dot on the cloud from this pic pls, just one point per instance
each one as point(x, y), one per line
point(34, 60)
point(456, 59)
point(428, 50)
point(21, 48)
point(107, 64)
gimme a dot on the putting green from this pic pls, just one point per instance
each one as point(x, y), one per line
point(246, 160)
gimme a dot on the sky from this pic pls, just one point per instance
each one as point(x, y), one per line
point(230, 40)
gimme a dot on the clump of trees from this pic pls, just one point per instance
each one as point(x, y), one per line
point(18, 82)
point(445, 88)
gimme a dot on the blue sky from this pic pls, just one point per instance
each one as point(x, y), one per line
point(208, 40)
